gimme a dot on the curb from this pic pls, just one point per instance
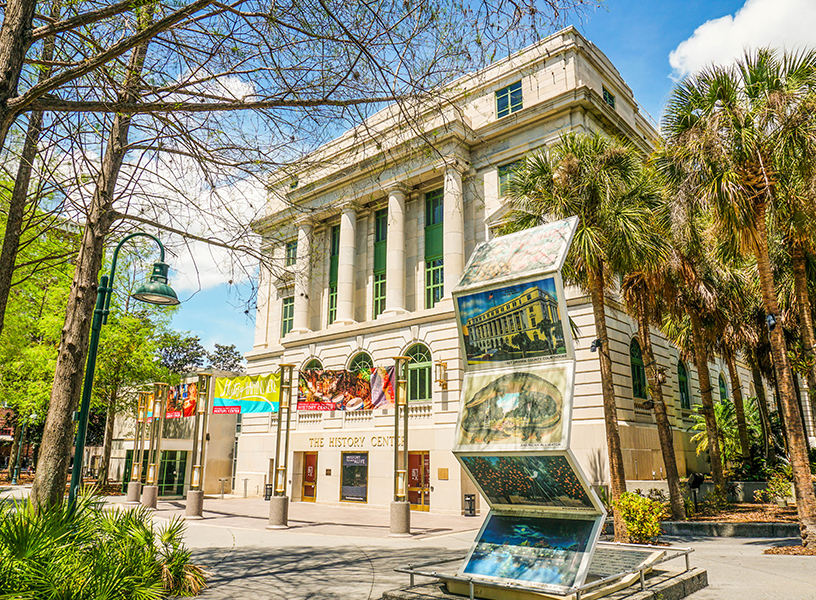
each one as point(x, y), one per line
point(720, 529)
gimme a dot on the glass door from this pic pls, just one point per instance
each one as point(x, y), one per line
point(419, 480)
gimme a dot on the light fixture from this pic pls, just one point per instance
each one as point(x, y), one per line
point(770, 321)
point(441, 374)
point(648, 404)
point(596, 343)
point(156, 291)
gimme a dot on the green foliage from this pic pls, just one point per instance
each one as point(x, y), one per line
point(181, 353)
point(94, 553)
point(226, 358)
point(779, 487)
point(715, 502)
point(688, 504)
point(642, 516)
point(726, 416)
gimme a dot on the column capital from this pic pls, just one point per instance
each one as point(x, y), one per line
point(457, 164)
point(304, 222)
point(396, 186)
point(347, 206)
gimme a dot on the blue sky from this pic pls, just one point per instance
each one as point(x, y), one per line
point(650, 42)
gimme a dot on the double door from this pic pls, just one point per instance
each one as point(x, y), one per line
point(419, 480)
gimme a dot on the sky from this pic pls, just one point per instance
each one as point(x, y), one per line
point(651, 43)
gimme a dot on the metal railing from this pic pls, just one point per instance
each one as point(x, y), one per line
point(579, 590)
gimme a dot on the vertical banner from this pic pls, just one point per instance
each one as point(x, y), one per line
point(246, 394)
point(182, 400)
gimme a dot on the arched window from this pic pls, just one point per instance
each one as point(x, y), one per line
point(682, 378)
point(723, 389)
point(419, 373)
point(313, 365)
point(638, 371)
point(361, 360)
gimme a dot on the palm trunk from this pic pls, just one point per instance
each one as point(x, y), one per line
point(52, 468)
point(104, 465)
point(762, 407)
point(739, 407)
point(617, 476)
point(701, 362)
point(664, 429)
point(797, 446)
point(803, 308)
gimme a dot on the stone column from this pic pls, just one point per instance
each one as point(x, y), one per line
point(453, 239)
point(345, 266)
point(303, 276)
point(395, 252)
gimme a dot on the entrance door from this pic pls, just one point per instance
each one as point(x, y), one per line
point(419, 480)
point(309, 476)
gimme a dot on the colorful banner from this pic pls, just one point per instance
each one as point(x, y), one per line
point(365, 389)
point(246, 394)
point(181, 400)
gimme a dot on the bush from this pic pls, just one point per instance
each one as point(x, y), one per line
point(779, 488)
point(641, 515)
point(48, 552)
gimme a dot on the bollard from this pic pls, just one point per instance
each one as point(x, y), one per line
point(223, 480)
point(245, 486)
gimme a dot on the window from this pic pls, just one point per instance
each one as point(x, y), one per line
point(723, 389)
point(434, 273)
point(506, 174)
point(638, 371)
point(434, 282)
point(508, 100)
point(334, 254)
point(434, 207)
point(313, 365)
point(682, 378)
point(361, 360)
point(419, 373)
point(287, 315)
point(609, 97)
point(291, 253)
point(380, 251)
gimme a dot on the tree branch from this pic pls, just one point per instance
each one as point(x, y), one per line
point(84, 19)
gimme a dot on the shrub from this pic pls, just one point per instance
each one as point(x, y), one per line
point(779, 488)
point(49, 552)
point(641, 515)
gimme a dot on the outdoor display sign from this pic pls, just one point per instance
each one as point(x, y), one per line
point(246, 394)
point(182, 400)
point(365, 389)
point(515, 413)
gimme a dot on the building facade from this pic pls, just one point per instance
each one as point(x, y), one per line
point(372, 238)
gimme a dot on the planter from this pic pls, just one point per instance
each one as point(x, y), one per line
point(781, 502)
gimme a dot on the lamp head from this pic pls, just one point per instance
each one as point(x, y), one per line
point(770, 320)
point(156, 291)
point(596, 343)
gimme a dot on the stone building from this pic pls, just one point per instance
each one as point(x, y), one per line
point(372, 238)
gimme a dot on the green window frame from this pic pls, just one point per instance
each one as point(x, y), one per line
point(313, 365)
point(287, 315)
point(509, 100)
point(419, 373)
point(379, 294)
point(334, 257)
point(434, 249)
point(380, 252)
point(506, 175)
point(609, 97)
point(723, 389)
point(683, 381)
point(291, 253)
point(361, 360)
point(638, 371)
point(434, 282)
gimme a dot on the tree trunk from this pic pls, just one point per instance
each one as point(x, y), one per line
point(14, 450)
point(15, 36)
point(664, 429)
point(797, 446)
point(762, 407)
point(19, 195)
point(701, 362)
point(617, 476)
point(803, 308)
point(52, 469)
point(739, 407)
point(104, 466)
point(797, 393)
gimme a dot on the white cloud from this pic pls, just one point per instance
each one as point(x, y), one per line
point(789, 24)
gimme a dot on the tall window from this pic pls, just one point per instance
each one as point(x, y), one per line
point(361, 360)
point(723, 389)
point(506, 175)
point(638, 371)
point(380, 250)
point(313, 365)
point(508, 100)
point(287, 315)
point(609, 98)
point(334, 254)
point(683, 380)
point(434, 271)
point(291, 253)
point(419, 373)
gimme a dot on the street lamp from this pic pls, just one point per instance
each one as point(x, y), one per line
point(31, 417)
point(155, 291)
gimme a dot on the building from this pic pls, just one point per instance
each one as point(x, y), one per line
point(372, 238)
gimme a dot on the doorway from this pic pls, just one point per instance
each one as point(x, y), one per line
point(419, 480)
point(309, 477)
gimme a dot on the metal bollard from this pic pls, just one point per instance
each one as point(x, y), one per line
point(245, 486)
point(223, 480)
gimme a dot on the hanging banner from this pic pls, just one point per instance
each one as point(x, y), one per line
point(246, 394)
point(365, 389)
point(182, 400)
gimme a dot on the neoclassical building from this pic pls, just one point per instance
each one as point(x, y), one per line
point(368, 243)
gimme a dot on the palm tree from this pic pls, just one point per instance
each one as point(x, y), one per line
point(588, 175)
point(736, 129)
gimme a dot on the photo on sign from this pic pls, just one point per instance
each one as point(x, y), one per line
point(364, 389)
point(524, 480)
point(511, 410)
point(354, 477)
point(513, 323)
point(543, 551)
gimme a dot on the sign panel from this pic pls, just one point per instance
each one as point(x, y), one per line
point(354, 477)
point(365, 389)
point(246, 394)
point(508, 410)
point(182, 400)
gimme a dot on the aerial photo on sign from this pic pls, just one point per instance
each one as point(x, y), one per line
point(515, 323)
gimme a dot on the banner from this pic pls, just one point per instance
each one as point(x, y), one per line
point(246, 394)
point(182, 400)
point(365, 389)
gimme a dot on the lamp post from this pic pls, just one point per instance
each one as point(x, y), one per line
point(195, 495)
point(155, 291)
point(400, 507)
point(279, 502)
point(20, 448)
